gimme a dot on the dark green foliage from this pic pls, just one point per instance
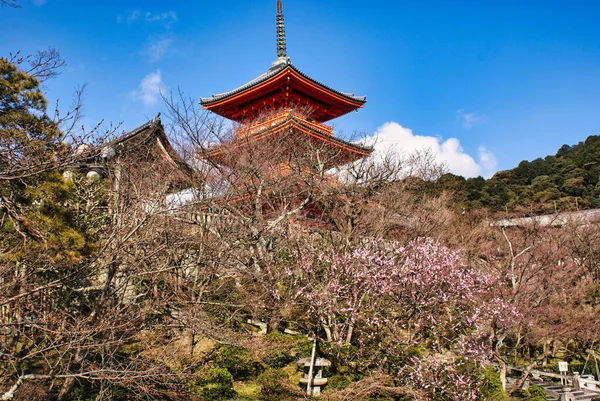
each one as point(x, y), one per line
point(274, 385)
point(278, 359)
point(339, 382)
point(535, 393)
point(569, 180)
point(491, 385)
point(343, 357)
point(303, 348)
point(83, 392)
point(238, 361)
point(286, 349)
point(29, 140)
point(214, 385)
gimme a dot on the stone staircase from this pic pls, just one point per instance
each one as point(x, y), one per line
point(554, 390)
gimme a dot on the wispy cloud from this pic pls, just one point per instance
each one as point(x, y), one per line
point(469, 119)
point(160, 38)
point(134, 16)
point(167, 18)
point(157, 48)
point(150, 89)
point(395, 137)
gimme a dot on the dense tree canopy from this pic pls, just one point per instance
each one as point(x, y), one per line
point(29, 140)
point(567, 181)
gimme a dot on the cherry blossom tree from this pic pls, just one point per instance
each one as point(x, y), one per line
point(425, 285)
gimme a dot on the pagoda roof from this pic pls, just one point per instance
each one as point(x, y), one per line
point(145, 134)
point(283, 122)
point(149, 143)
point(275, 86)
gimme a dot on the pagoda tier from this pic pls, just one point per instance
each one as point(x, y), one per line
point(296, 130)
point(282, 86)
point(281, 113)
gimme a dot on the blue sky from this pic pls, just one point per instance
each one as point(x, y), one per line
point(486, 84)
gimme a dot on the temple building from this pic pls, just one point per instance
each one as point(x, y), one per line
point(284, 100)
point(280, 129)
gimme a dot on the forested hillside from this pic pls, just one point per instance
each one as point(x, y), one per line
point(565, 181)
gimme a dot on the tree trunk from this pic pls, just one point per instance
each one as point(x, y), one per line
point(502, 369)
point(349, 334)
point(528, 369)
point(69, 383)
point(190, 334)
point(274, 322)
point(327, 330)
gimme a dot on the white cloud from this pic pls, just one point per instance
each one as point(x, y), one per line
point(392, 136)
point(167, 18)
point(150, 89)
point(157, 48)
point(135, 14)
point(468, 120)
point(487, 161)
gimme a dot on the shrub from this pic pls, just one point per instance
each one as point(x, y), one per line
point(341, 356)
point(491, 385)
point(275, 385)
point(339, 382)
point(278, 359)
point(238, 361)
point(303, 348)
point(536, 393)
point(286, 348)
point(215, 385)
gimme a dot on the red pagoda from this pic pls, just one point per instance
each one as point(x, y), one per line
point(286, 100)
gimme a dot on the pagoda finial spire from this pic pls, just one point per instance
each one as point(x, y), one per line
point(281, 45)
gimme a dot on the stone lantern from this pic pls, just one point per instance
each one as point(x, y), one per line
point(318, 380)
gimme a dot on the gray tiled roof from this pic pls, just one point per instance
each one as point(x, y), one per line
point(333, 139)
point(273, 71)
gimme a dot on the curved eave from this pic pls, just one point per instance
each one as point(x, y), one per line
point(222, 104)
point(307, 128)
point(144, 135)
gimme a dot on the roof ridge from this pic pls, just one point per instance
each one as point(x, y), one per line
point(130, 134)
point(290, 117)
point(270, 73)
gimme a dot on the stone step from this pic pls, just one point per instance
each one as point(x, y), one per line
point(553, 392)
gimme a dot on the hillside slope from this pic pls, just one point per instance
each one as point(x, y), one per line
point(568, 180)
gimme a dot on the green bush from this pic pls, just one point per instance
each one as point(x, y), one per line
point(536, 393)
point(520, 394)
point(238, 361)
point(340, 356)
point(281, 338)
point(278, 359)
point(274, 385)
point(303, 348)
point(215, 385)
point(339, 382)
point(286, 349)
point(576, 365)
point(491, 385)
